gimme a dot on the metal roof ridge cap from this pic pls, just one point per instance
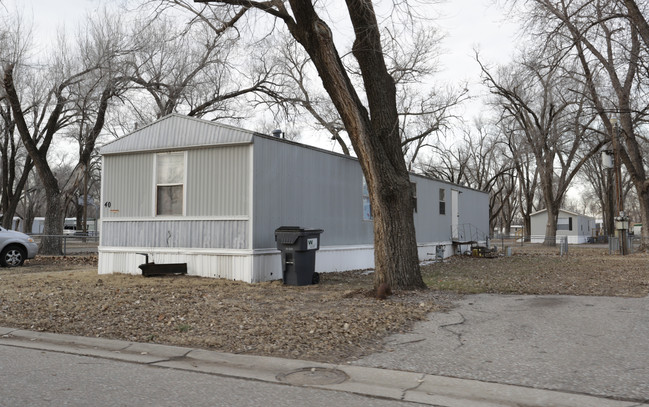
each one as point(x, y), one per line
point(179, 148)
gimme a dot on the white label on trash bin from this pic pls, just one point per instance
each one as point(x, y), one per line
point(312, 244)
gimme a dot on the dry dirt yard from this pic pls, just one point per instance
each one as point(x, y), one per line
point(335, 321)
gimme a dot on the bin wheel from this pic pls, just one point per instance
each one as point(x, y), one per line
point(316, 278)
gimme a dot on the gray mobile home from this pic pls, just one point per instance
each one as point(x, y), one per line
point(578, 228)
point(185, 190)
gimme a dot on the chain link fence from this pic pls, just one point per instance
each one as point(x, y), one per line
point(563, 244)
point(77, 243)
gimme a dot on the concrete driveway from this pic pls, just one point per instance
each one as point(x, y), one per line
point(588, 345)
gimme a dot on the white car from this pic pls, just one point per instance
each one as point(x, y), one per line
point(15, 248)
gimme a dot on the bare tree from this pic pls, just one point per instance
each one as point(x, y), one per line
point(479, 161)
point(43, 108)
point(16, 163)
point(527, 174)
point(16, 166)
point(548, 107)
point(608, 47)
point(638, 19)
point(296, 92)
point(600, 180)
point(448, 164)
point(190, 68)
point(423, 113)
point(372, 128)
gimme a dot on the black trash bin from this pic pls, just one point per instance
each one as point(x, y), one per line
point(298, 246)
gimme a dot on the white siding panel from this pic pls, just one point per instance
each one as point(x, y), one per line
point(218, 181)
point(227, 234)
point(215, 265)
point(127, 186)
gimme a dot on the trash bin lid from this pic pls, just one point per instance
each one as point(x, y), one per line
point(288, 234)
point(289, 229)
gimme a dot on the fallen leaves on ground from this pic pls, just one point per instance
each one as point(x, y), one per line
point(541, 270)
point(334, 321)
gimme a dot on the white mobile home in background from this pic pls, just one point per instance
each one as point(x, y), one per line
point(38, 226)
point(577, 227)
point(191, 191)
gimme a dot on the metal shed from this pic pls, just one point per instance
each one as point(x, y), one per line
point(192, 191)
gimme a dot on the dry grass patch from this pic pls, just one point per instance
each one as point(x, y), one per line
point(540, 270)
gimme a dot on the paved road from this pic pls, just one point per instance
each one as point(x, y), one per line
point(43, 369)
point(587, 345)
point(36, 378)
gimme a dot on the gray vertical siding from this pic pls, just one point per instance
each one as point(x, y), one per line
point(128, 189)
point(218, 181)
point(473, 207)
point(298, 186)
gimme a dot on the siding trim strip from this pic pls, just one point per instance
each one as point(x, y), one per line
point(181, 148)
point(179, 250)
point(176, 218)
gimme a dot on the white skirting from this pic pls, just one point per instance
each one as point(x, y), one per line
point(572, 239)
point(246, 265)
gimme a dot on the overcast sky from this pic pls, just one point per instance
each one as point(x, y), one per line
point(467, 24)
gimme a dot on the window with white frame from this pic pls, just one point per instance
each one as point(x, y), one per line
point(170, 176)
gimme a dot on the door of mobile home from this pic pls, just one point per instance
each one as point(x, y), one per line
point(455, 214)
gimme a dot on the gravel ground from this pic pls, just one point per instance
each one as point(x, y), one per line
point(335, 321)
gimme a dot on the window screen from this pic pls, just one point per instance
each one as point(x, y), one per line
point(170, 175)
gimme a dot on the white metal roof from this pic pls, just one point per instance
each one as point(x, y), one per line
point(561, 210)
point(176, 131)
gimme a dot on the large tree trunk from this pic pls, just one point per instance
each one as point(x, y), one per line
point(551, 226)
point(636, 17)
point(51, 242)
point(527, 227)
point(376, 141)
point(374, 134)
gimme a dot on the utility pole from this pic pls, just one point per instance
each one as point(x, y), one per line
point(621, 220)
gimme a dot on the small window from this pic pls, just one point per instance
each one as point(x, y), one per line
point(367, 205)
point(170, 175)
point(413, 194)
point(442, 201)
point(564, 223)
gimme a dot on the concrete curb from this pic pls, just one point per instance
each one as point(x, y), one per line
point(389, 384)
